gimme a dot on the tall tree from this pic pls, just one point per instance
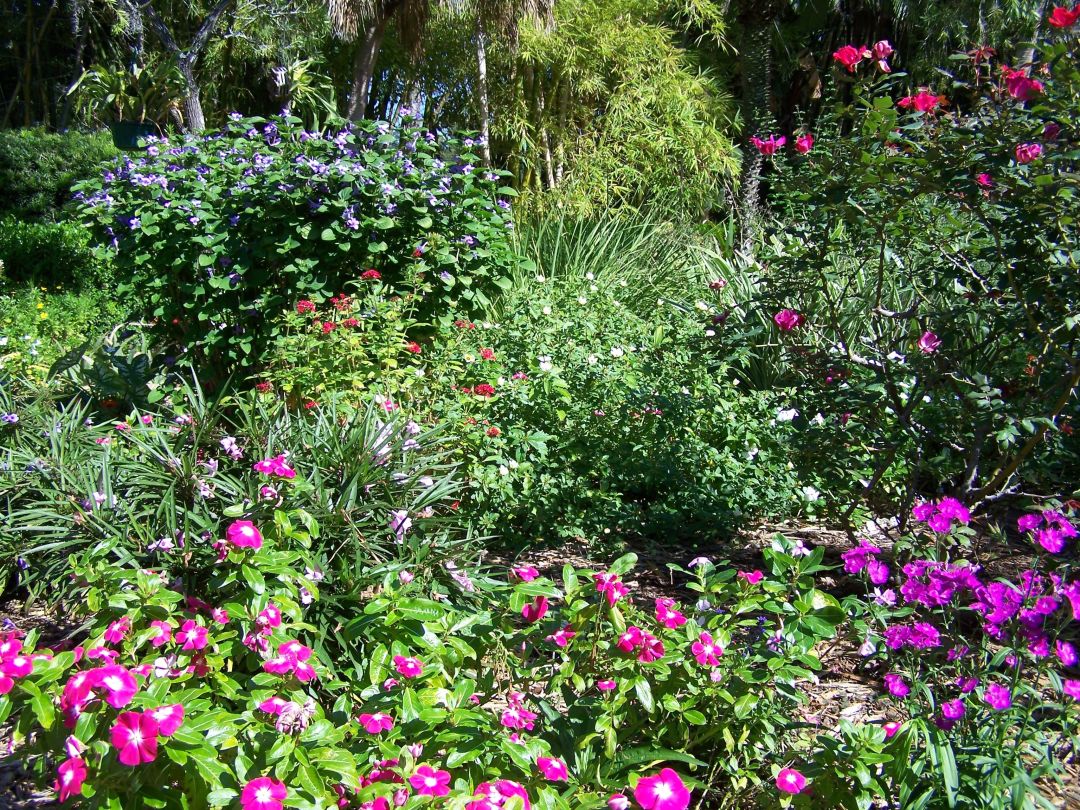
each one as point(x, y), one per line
point(187, 58)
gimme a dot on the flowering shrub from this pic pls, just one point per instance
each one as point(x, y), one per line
point(219, 231)
point(925, 251)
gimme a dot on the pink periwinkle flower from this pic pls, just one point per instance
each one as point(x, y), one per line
point(790, 781)
point(610, 586)
point(891, 728)
point(69, 778)
point(275, 466)
point(191, 635)
point(605, 686)
point(243, 534)
point(118, 684)
point(706, 651)
point(134, 735)
point(667, 614)
point(562, 637)
point(168, 718)
point(751, 577)
point(525, 573)
point(617, 801)
point(264, 793)
point(376, 723)
point(664, 791)
point(408, 667)
point(929, 343)
point(536, 610)
point(429, 782)
point(553, 769)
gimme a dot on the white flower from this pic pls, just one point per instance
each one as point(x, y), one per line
point(592, 359)
point(540, 278)
point(622, 282)
point(512, 464)
point(545, 363)
point(701, 305)
point(582, 300)
point(504, 470)
point(710, 333)
point(787, 415)
point(590, 276)
point(616, 352)
point(810, 494)
point(546, 310)
point(818, 420)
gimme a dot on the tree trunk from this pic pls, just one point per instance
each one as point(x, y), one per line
point(194, 120)
point(364, 67)
point(78, 33)
point(483, 108)
point(1027, 56)
point(756, 95)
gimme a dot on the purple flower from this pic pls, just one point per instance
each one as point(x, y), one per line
point(896, 686)
point(998, 697)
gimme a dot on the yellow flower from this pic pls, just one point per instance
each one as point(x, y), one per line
point(41, 306)
point(44, 315)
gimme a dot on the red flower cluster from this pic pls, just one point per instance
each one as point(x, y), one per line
point(460, 324)
point(1062, 17)
point(305, 306)
point(924, 101)
point(413, 347)
point(484, 390)
point(493, 432)
point(487, 354)
point(371, 274)
point(341, 302)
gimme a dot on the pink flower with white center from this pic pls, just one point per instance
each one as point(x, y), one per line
point(120, 685)
point(269, 618)
point(518, 717)
point(429, 782)
point(665, 791)
point(605, 686)
point(169, 718)
point(134, 735)
point(706, 650)
point(220, 615)
point(617, 801)
point(275, 466)
point(273, 705)
point(667, 614)
point(652, 649)
point(790, 781)
point(118, 630)
point(243, 534)
point(268, 493)
point(69, 778)
point(929, 343)
point(610, 586)
point(18, 666)
point(630, 639)
point(191, 635)
point(376, 723)
point(553, 769)
point(536, 610)
point(9, 646)
point(491, 795)
point(891, 728)
point(525, 573)
point(751, 577)
point(562, 637)
point(263, 793)
point(408, 667)
point(160, 633)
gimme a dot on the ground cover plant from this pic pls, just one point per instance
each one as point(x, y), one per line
point(363, 489)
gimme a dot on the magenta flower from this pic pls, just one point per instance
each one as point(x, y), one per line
point(998, 697)
point(1021, 86)
point(667, 614)
point(536, 610)
point(788, 319)
point(263, 793)
point(891, 728)
point(292, 657)
point(984, 180)
point(610, 586)
point(1028, 152)
point(1071, 688)
point(376, 723)
point(924, 101)
point(526, 573)
point(850, 55)
point(605, 686)
point(191, 635)
point(562, 637)
point(929, 343)
point(429, 782)
point(168, 718)
point(882, 50)
point(408, 667)
point(134, 735)
point(791, 781)
point(119, 684)
point(553, 769)
point(652, 649)
point(665, 791)
point(275, 466)
point(494, 795)
point(953, 709)
point(69, 778)
point(118, 630)
point(706, 650)
point(804, 143)
point(243, 534)
point(770, 146)
point(896, 686)
point(160, 633)
point(617, 801)
point(751, 577)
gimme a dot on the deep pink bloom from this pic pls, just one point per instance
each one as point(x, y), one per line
point(134, 735)
point(553, 769)
point(953, 709)
point(896, 686)
point(375, 723)
point(1071, 688)
point(804, 143)
point(617, 801)
point(924, 101)
point(605, 686)
point(263, 793)
point(191, 635)
point(119, 684)
point(160, 633)
point(118, 630)
point(929, 343)
point(882, 50)
point(985, 180)
point(536, 610)
point(667, 614)
point(790, 780)
point(706, 650)
point(429, 782)
point(1028, 152)
point(1062, 17)
point(850, 55)
point(243, 534)
point(408, 667)
point(70, 777)
point(652, 648)
point(610, 586)
point(751, 577)
point(788, 319)
point(998, 697)
point(1021, 86)
point(526, 573)
point(665, 791)
point(562, 637)
point(769, 146)
point(168, 718)
point(891, 728)
point(275, 466)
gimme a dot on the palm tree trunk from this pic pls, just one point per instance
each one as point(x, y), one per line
point(364, 66)
point(757, 112)
point(1027, 56)
point(482, 92)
